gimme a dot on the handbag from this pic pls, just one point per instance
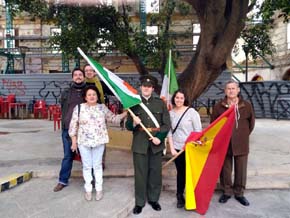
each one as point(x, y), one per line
point(173, 131)
point(77, 155)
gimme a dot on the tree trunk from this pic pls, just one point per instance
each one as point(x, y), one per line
point(138, 63)
point(221, 22)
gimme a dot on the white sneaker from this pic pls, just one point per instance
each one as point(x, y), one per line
point(99, 195)
point(88, 196)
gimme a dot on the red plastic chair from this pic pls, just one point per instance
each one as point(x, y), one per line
point(11, 100)
point(114, 108)
point(51, 109)
point(1, 106)
point(4, 107)
point(56, 115)
point(40, 108)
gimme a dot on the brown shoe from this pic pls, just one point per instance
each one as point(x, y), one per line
point(58, 187)
point(88, 196)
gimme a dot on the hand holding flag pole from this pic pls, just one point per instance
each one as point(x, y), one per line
point(141, 124)
point(172, 159)
point(125, 93)
point(179, 153)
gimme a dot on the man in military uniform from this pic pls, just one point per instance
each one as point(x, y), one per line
point(147, 152)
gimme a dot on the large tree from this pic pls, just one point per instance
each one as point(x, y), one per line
point(221, 22)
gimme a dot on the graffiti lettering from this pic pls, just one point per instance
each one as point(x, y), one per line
point(270, 99)
point(16, 87)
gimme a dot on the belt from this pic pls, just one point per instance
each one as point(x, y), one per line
point(149, 129)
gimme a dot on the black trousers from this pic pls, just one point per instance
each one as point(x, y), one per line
point(180, 168)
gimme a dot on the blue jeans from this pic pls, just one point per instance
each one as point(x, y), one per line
point(67, 160)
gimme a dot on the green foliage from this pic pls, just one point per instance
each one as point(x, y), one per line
point(183, 8)
point(86, 27)
point(92, 27)
point(257, 40)
point(256, 34)
point(37, 8)
point(269, 7)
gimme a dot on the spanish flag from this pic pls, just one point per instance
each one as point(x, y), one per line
point(205, 153)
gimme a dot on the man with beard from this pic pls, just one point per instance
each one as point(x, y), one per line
point(70, 97)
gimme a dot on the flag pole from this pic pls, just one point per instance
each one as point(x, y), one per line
point(169, 80)
point(141, 124)
point(172, 159)
point(179, 153)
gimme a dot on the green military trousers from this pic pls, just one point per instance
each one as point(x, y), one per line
point(148, 177)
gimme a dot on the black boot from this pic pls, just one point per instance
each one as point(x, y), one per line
point(180, 200)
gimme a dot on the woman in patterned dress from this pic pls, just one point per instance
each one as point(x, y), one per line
point(88, 131)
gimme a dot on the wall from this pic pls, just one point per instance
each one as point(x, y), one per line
point(280, 58)
point(49, 86)
point(269, 98)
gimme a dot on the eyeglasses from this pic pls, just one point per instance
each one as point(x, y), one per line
point(89, 71)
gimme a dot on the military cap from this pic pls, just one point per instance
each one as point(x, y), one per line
point(148, 80)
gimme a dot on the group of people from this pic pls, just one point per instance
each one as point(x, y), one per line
point(84, 117)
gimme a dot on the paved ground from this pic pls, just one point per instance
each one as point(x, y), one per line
point(32, 145)
point(35, 199)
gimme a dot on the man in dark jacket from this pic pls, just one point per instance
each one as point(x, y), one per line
point(147, 152)
point(70, 97)
point(238, 149)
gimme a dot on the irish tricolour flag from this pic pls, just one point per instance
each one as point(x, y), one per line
point(169, 85)
point(125, 93)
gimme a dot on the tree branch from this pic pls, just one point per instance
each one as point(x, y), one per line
point(251, 6)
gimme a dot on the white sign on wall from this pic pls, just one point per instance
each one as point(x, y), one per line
point(152, 30)
point(152, 6)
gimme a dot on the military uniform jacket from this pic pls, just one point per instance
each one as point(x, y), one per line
point(141, 140)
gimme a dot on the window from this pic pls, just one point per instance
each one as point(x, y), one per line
point(9, 43)
point(106, 2)
point(53, 32)
point(196, 34)
point(103, 42)
point(288, 35)
point(152, 30)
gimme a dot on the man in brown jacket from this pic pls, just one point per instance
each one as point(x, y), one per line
point(238, 149)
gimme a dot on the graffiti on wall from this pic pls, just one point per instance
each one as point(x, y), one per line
point(213, 94)
point(269, 99)
point(16, 87)
point(51, 90)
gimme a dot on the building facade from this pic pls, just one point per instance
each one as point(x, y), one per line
point(30, 53)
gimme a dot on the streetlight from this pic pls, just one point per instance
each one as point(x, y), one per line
point(246, 50)
point(23, 50)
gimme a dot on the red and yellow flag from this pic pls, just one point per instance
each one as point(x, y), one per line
point(204, 161)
